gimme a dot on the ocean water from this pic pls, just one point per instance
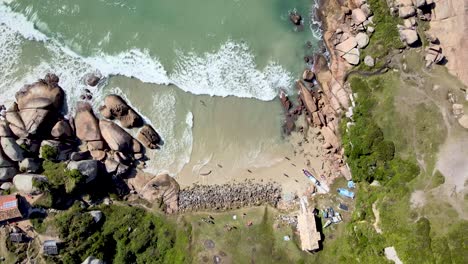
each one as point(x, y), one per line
point(204, 73)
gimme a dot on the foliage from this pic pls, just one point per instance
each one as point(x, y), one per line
point(385, 37)
point(49, 152)
point(125, 235)
point(437, 179)
point(60, 177)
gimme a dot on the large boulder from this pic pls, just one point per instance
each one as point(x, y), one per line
point(11, 149)
point(115, 136)
point(352, 57)
point(7, 173)
point(86, 124)
point(24, 183)
point(409, 36)
point(40, 94)
point(116, 107)
point(369, 61)
point(330, 137)
point(62, 129)
point(162, 187)
point(307, 98)
point(88, 168)
point(14, 118)
point(148, 137)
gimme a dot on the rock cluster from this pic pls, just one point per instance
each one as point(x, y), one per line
point(228, 196)
point(34, 124)
point(354, 33)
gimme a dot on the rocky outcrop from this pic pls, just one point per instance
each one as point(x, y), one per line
point(408, 36)
point(433, 55)
point(5, 130)
point(295, 18)
point(116, 108)
point(149, 137)
point(161, 188)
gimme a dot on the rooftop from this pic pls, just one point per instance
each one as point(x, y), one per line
point(9, 207)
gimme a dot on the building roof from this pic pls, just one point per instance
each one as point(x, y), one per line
point(50, 247)
point(9, 207)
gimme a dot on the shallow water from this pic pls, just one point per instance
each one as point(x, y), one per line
point(203, 73)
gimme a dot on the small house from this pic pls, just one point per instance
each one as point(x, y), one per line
point(9, 208)
point(50, 247)
point(16, 237)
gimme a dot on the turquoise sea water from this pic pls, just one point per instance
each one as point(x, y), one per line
point(205, 73)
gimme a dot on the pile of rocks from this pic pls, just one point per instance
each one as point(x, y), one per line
point(355, 31)
point(228, 196)
point(84, 142)
point(410, 11)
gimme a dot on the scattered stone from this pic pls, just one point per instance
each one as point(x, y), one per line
point(369, 61)
point(97, 215)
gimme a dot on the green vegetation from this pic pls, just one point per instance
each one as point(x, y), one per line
point(372, 155)
point(49, 152)
point(437, 179)
point(124, 235)
point(59, 176)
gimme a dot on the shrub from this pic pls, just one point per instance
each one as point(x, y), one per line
point(49, 152)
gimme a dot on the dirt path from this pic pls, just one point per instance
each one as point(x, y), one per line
point(391, 254)
point(377, 218)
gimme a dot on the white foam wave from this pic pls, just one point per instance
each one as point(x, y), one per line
point(177, 136)
point(231, 70)
point(19, 23)
point(10, 52)
point(133, 63)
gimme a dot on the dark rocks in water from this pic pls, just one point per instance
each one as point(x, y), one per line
point(295, 18)
point(115, 107)
point(51, 79)
point(92, 79)
point(149, 137)
point(308, 75)
point(285, 101)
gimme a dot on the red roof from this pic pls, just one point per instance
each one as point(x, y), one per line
point(9, 207)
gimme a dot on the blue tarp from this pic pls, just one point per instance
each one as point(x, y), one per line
point(346, 193)
point(351, 185)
